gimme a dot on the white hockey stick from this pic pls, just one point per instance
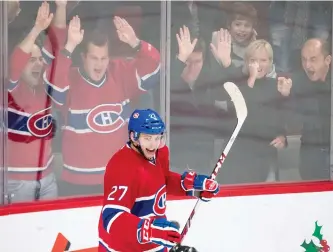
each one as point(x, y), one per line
point(241, 111)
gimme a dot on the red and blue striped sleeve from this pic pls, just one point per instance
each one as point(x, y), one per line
point(120, 192)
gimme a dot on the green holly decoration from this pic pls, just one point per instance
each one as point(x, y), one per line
point(310, 247)
point(317, 232)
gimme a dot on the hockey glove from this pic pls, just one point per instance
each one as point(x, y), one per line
point(159, 231)
point(191, 182)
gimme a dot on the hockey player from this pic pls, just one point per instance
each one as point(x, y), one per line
point(136, 183)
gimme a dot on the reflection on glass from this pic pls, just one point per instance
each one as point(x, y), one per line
point(79, 69)
point(71, 92)
point(286, 96)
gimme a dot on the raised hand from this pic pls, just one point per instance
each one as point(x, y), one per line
point(125, 32)
point(221, 49)
point(44, 17)
point(191, 181)
point(75, 33)
point(253, 68)
point(185, 46)
point(284, 85)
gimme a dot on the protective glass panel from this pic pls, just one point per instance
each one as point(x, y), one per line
point(77, 71)
point(279, 56)
point(3, 71)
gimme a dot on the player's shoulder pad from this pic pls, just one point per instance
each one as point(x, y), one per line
point(164, 151)
point(120, 158)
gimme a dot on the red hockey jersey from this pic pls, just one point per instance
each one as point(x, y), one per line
point(96, 113)
point(30, 125)
point(134, 188)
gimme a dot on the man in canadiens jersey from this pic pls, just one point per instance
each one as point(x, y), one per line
point(95, 97)
point(136, 182)
point(30, 121)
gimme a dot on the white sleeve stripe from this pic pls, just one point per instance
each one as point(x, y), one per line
point(47, 53)
point(54, 100)
point(145, 77)
point(106, 246)
point(112, 220)
point(150, 74)
point(164, 241)
point(159, 248)
point(118, 207)
point(12, 85)
point(147, 216)
point(61, 90)
point(145, 198)
point(20, 112)
point(166, 228)
point(13, 81)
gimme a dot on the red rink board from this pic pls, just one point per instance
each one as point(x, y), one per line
point(225, 191)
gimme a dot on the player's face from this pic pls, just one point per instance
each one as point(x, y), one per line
point(241, 30)
point(314, 63)
point(193, 67)
point(96, 61)
point(265, 64)
point(33, 70)
point(150, 144)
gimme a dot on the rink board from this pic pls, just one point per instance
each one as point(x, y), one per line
point(262, 223)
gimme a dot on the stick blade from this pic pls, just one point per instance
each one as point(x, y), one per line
point(238, 100)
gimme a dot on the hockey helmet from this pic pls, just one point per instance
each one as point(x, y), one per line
point(145, 121)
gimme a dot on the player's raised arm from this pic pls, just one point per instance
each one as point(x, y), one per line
point(57, 76)
point(141, 73)
point(188, 182)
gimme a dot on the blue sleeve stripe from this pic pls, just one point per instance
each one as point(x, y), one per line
point(110, 213)
point(58, 89)
point(150, 80)
point(57, 95)
point(17, 122)
point(47, 56)
point(190, 193)
point(12, 85)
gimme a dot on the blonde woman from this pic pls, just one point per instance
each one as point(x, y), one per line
point(255, 150)
point(259, 61)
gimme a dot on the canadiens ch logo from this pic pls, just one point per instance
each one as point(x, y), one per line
point(40, 124)
point(160, 202)
point(105, 118)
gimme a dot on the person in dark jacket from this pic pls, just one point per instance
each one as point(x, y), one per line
point(254, 151)
point(308, 97)
point(191, 108)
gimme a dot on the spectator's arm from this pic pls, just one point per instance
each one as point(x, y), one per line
point(139, 74)
point(57, 76)
point(57, 32)
point(59, 19)
point(22, 53)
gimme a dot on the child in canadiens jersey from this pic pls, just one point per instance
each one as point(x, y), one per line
point(136, 182)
